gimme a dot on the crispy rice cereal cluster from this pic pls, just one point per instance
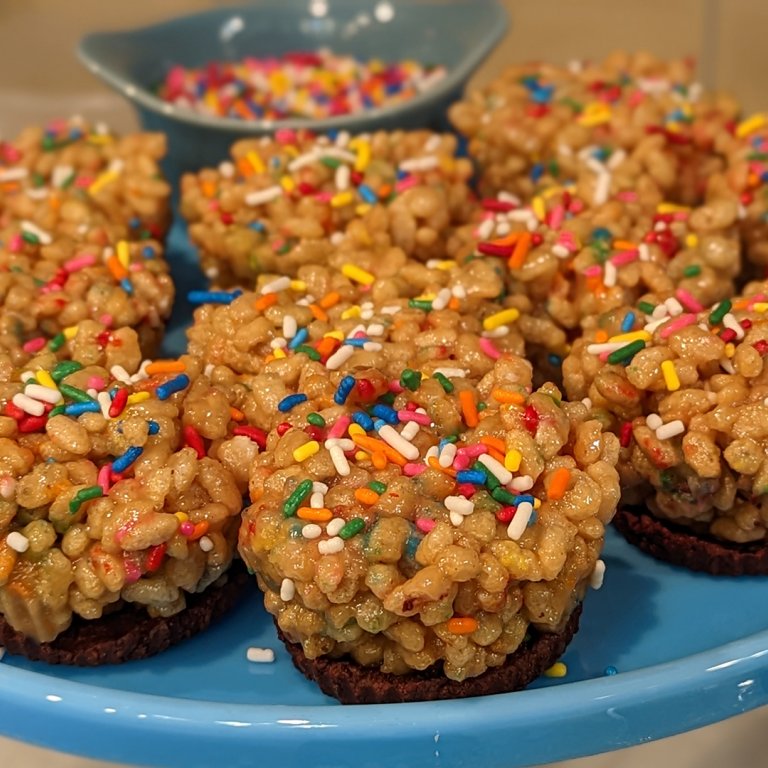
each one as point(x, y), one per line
point(687, 394)
point(293, 200)
point(630, 124)
point(81, 212)
point(429, 521)
point(108, 494)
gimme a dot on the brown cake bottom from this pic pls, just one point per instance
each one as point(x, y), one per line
point(674, 544)
point(130, 633)
point(351, 683)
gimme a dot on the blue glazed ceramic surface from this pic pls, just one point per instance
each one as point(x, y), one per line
point(689, 650)
point(458, 35)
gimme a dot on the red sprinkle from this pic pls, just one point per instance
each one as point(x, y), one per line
point(283, 427)
point(536, 239)
point(746, 324)
point(316, 433)
point(500, 206)
point(761, 346)
point(32, 424)
point(193, 439)
point(490, 249)
point(466, 489)
point(155, 557)
point(259, 436)
point(365, 389)
point(531, 419)
point(118, 403)
point(14, 411)
point(728, 335)
point(625, 434)
point(505, 514)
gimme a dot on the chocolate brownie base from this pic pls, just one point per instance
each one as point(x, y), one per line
point(129, 633)
point(673, 544)
point(352, 684)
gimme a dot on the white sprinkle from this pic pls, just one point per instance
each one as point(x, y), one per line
point(260, 655)
point(7, 487)
point(13, 174)
point(104, 401)
point(344, 443)
point(316, 501)
point(278, 343)
point(460, 504)
point(432, 144)
point(485, 230)
point(392, 437)
point(392, 309)
point(311, 531)
point(45, 394)
point(503, 228)
point(60, 175)
point(426, 163)
point(729, 321)
point(43, 236)
point(602, 189)
point(522, 483)
point(303, 160)
point(262, 196)
point(26, 376)
point(39, 193)
point(277, 285)
point(608, 346)
point(496, 333)
point(375, 329)
point(290, 326)
point(459, 291)
point(455, 373)
point(598, 574)
point(659, 311)
point(330, 546)
point(227, 169)
point(337, 238)
point(339, 154)
point(654, 421)
point(339, 357)
point(508, 197)
point(674, 307)
point(432, 453)
point(141, 374)
point(560, 251)
point(28, 405)
point(644, 252)
point(342, 139)
point(287, 590)
point(119, 373)
point(441, 300)
point(341, 178)
point(447, 455)
point(587, 402)
point(727, 365)
point(340, 463)
point(652, 326)
point(206, 544)
point(519, 522)
point(318, 487)
point(671, 429)
point(456, 518)
point(496, 468)
point(18, 542)
point(335, 525)
point(410, 430)
point(610, 274)
point(616, 159)
point(92, 392)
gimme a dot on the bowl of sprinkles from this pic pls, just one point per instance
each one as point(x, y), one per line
point(356, 65)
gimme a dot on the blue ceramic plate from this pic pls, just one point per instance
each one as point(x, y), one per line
point(688, 649)
point(457, 35)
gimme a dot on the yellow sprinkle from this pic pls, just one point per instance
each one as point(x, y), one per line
point(691, 240)
point(303, 452)
point(123, 253)
point(101, 181)
point(279, 354)
point(512, 460)
point(182, 517)
point(539, 208)
point(338, 335)
point(355, 429)
point(255, 160)
point(362, 456)
point(536, 503)
point(671, 208)
point(447, 264)
point(342, 198)
point(71, 332)
point(671, 379)
point(363, 153)
point(362, 209)
point(547, 193)
point(632, 336)
point(558, 669)
point(99, 138)
point(750, 125)
point(44, 378)
point(138, 397)
point(354, 272)
point(287, 183)
point(595, 113)
point(351, 312)
point(500, 318)
point(730, 349)
point(298, 285)
point(760, 306)
point(426, 297)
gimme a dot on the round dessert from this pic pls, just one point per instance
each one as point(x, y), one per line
point(686, 393)
point(433, 537)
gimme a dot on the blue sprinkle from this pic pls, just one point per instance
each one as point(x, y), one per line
point(628, 322)
point(384, 412)
point(135, 222)
point(356, 342)
point(378, 424)
point(542, 94)
point(121, 463)
point(402, 175)
point(153, 426)
point(75, 409)
point(258, 226)
point(212, 297)
point(555, 360)
point(291, 401)
point(368, 195)
point(470, 476)
point(346, 385)
point(602, 233)
point(537, 171)
point(148, 252)
point(443, 442)
point(127, 286)
point(363, 419)
point(610, 670)
point(301, 336)
point(521, 499)
point(533, 518)
point(412, 544)
point(164, 391)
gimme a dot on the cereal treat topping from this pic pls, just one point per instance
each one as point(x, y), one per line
point(686, 393)
point(427, 521)
point(295, 199)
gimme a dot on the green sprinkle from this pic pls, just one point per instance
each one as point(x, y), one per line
point(645, 307)
point(626, 353)
point(454, 438)
point(387, 398)
point(445, 382)
point(692, 271)
point(73, 393)
point(83, 495)
point(421, 304)
point(310, 352)
point(503, 496)
point(316, 420)
point(352, 528)
point(30, 237)
point(491, 482)
point(719, 312)
point(293, 502)
point(410, 379)
point(284, 248)
point(57, 342)
point(65, 368)
point(377, 487)
point(554, 168)
point(330, 162)
point(481, 406)
point(56, 411)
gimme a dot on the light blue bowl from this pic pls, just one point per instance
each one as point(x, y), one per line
point(458, 35)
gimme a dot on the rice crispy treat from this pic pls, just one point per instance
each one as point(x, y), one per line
point(295, 199)
point(431, 526)
point(630, 124)
point(686, 393)
point(116, 489)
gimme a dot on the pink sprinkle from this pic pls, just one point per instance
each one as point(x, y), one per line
point(636, 98)
point(395, 386)
point(132, 571)
point(425, 524)
point(213, 205)
point(411, 469)
point(675, 325)
point(419, 418)
point(187, 528)
point(106, 320)
point(556, 217)
point(603, 357)
point(102, 479)
point(486, 345)
point(473, 451)
point(461, 462)
point(80, 262)
point(689, 301)
point(122, 532)
point(15, 243)
point(137, 266)
point(34, 345)
point(576, 206)
point(624, 257)
point(406, 183)
point(627, 196)
point(756, 299)
point(680, 215)
point(323, 197)
point(96, 382)
point(340, 427)
point(83, 182)
point(12, 154)
point(285, 136)
point(594, 271)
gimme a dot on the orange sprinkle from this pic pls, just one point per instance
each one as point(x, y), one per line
point(468, 408)
point(208, 187)
point(462, 625)
point(522, 247)
point(265, 301)
point(374, 446)
point(379, 459)
point(330, 300)
point(242, 109)
point(454, 303)
point(54, 201)
point(321, 515)
point(558, 483)
point(506, 396)
point(595, 284)
point(509, 239)
point(235, 414)
point(385, 190)
point(165, 366)
point(435, 464)
point(624, 245)
point(326, 346)
point(366, 496)
point(601, 336)
point(244, 167)
point(318, 313)
point(119, 272)
point(740, 304)
point(201, 529)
